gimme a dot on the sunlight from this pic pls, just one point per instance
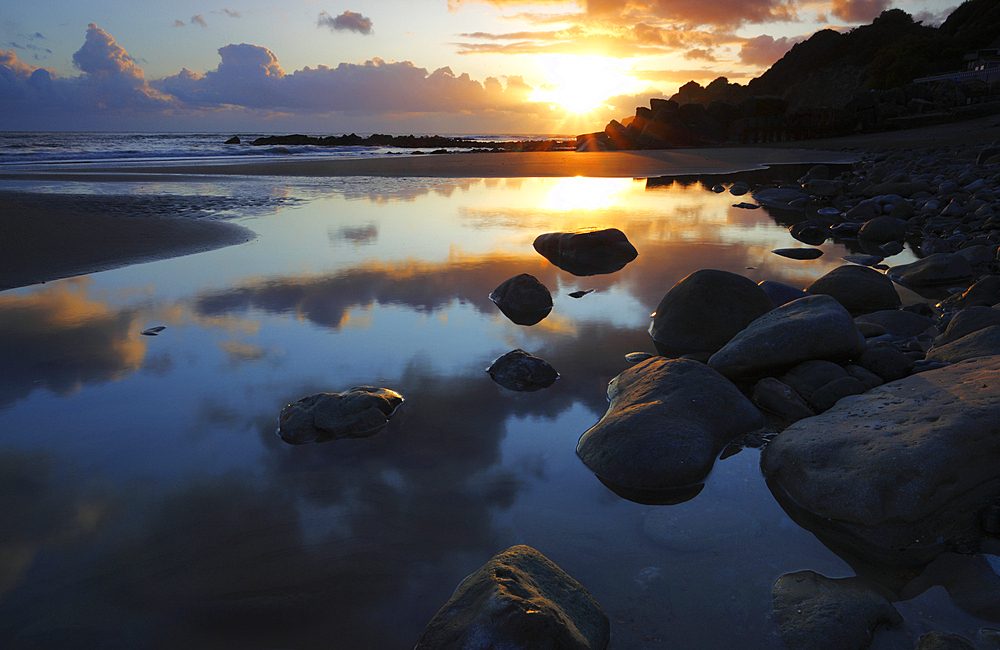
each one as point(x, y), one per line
point(580, 83)
point(581, 193)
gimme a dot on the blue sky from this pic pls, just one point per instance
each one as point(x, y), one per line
point(444, 66)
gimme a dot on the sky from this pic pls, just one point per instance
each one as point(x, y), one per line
point(447, 67)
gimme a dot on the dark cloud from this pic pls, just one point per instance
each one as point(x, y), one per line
point(859, 11)
point(699, 53)
point(764, 50)
point(198, 20)
point(347, 21)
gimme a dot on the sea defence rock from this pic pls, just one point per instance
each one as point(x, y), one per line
point(518, 370)
point(820, 613)
point(667, 422)
point(523, 299)
point(355, 413)
point(591, 252)
point(703, 311)
point(858, 288)
point(901, 473)
point(814, 327)
point(519, 600)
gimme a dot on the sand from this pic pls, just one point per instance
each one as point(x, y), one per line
point(47, 236)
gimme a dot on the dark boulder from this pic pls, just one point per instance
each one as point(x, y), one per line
point(590, 252)
point(799, 253)
point(967, 321)
point(939, 268)
point(981, 343)
point(703, 311)
point(233, 140)
point(355, 413)
point(520, 371)
point(984, 293)
point(858, 288)
point(523, 299)
point(667, 422)
point(522, 601)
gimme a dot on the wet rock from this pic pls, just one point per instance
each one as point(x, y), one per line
point(898, 323)
point(884, 360)
point(518, 600)
point(233, 140)
point(811, 231)
point(776, 197)
point(829, 394)
point(739, 188)
point(523, 299)
point(883, 229)
point(667, 421)
point(966, 322)
point(940, 268)
point(779, 293)
point(580, 294)
point(820, 613)
point(870, 330)
point(864, 260)
point(824, 187)
point(777, 397)
point(520, 371)
point(636, 357)
point(815, 327)
point(981, 343)
point(943, 641)
point(866, 377)
point(984, 293)
point(799, 253)
point(899, 474)
point(809, 376)
point(355, 413)
point(591, 252)
point(859, 289)
point(703, 311)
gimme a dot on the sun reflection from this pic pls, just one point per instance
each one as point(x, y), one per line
point(581, 193)
point(578, 83)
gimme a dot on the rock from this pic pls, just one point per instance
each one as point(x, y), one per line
point(518, 600)
point(943, 641)
point(636, 357)
point(586, 253)
point(811, 231)
point(967, 321)
point(746, 206)
point(580, 294)
point(984, 293)
point(903, 189)
point(824, 187)
point(883, 229)
point(799, 253)
point(981, 343)
point(898, 323)
point(940, 268)
point(866, 377)
point(703, 311)
point(523, 299)
point(779, 293)
point(667, 421)
point(809, 376)
point(815, 327)
point(518, 370)
point(355, 413)
point(820, 613)
point(870, 330)
point(859, 289)
point(776, 197)
point(739, 188)
point(777, 397)
point(829, 394)
point(884, 360)
point(987, 152)
point(899, 474)
point(864, 260)
point(233, 140)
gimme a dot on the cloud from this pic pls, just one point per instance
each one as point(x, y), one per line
point(764, 50)
point(231, 13)
point(179, 23)
point(349, 21)
point(198, 20)
point(699, 53)
point(859, 11)
point(102, 56)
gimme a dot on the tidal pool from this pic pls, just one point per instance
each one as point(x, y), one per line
point(148, 502)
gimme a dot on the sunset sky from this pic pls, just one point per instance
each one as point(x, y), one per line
point(391, 66)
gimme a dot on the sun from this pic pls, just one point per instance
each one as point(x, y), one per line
point(578, 83)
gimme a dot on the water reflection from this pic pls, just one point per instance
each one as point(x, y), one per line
point(162, 511)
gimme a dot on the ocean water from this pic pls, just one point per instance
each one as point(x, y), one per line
point(148, 503)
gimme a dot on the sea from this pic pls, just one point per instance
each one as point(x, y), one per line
point(146, 500)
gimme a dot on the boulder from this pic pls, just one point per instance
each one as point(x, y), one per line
point(820, 613)
point(984, 293)
point(518, 370)
point(703, 311)
point(883, 229)
point(233, 140)
point(899, 474)
point(885, 361)
point(939, 268)
point(589, 252)
point(809, 376)
point(776, 197)
point(523, 299)
point(943, 641)
point(777, 397)
point(898, 323)
point(781, 293)
point(799, 253)
point(966, 322)
point(518, 600)
point(814, 327)
point(667, 421)
point(981, 343)
point(355, 413)
point(811, 231)
point(858, 288)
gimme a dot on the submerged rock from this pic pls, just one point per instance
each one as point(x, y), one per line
point(523, 299)
point(667, 422)
point(820, 613)
point(591, 252)
point(901, 473)
point(356, 413)
point(518, 370)
point(703, 311)
point(519, 600)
